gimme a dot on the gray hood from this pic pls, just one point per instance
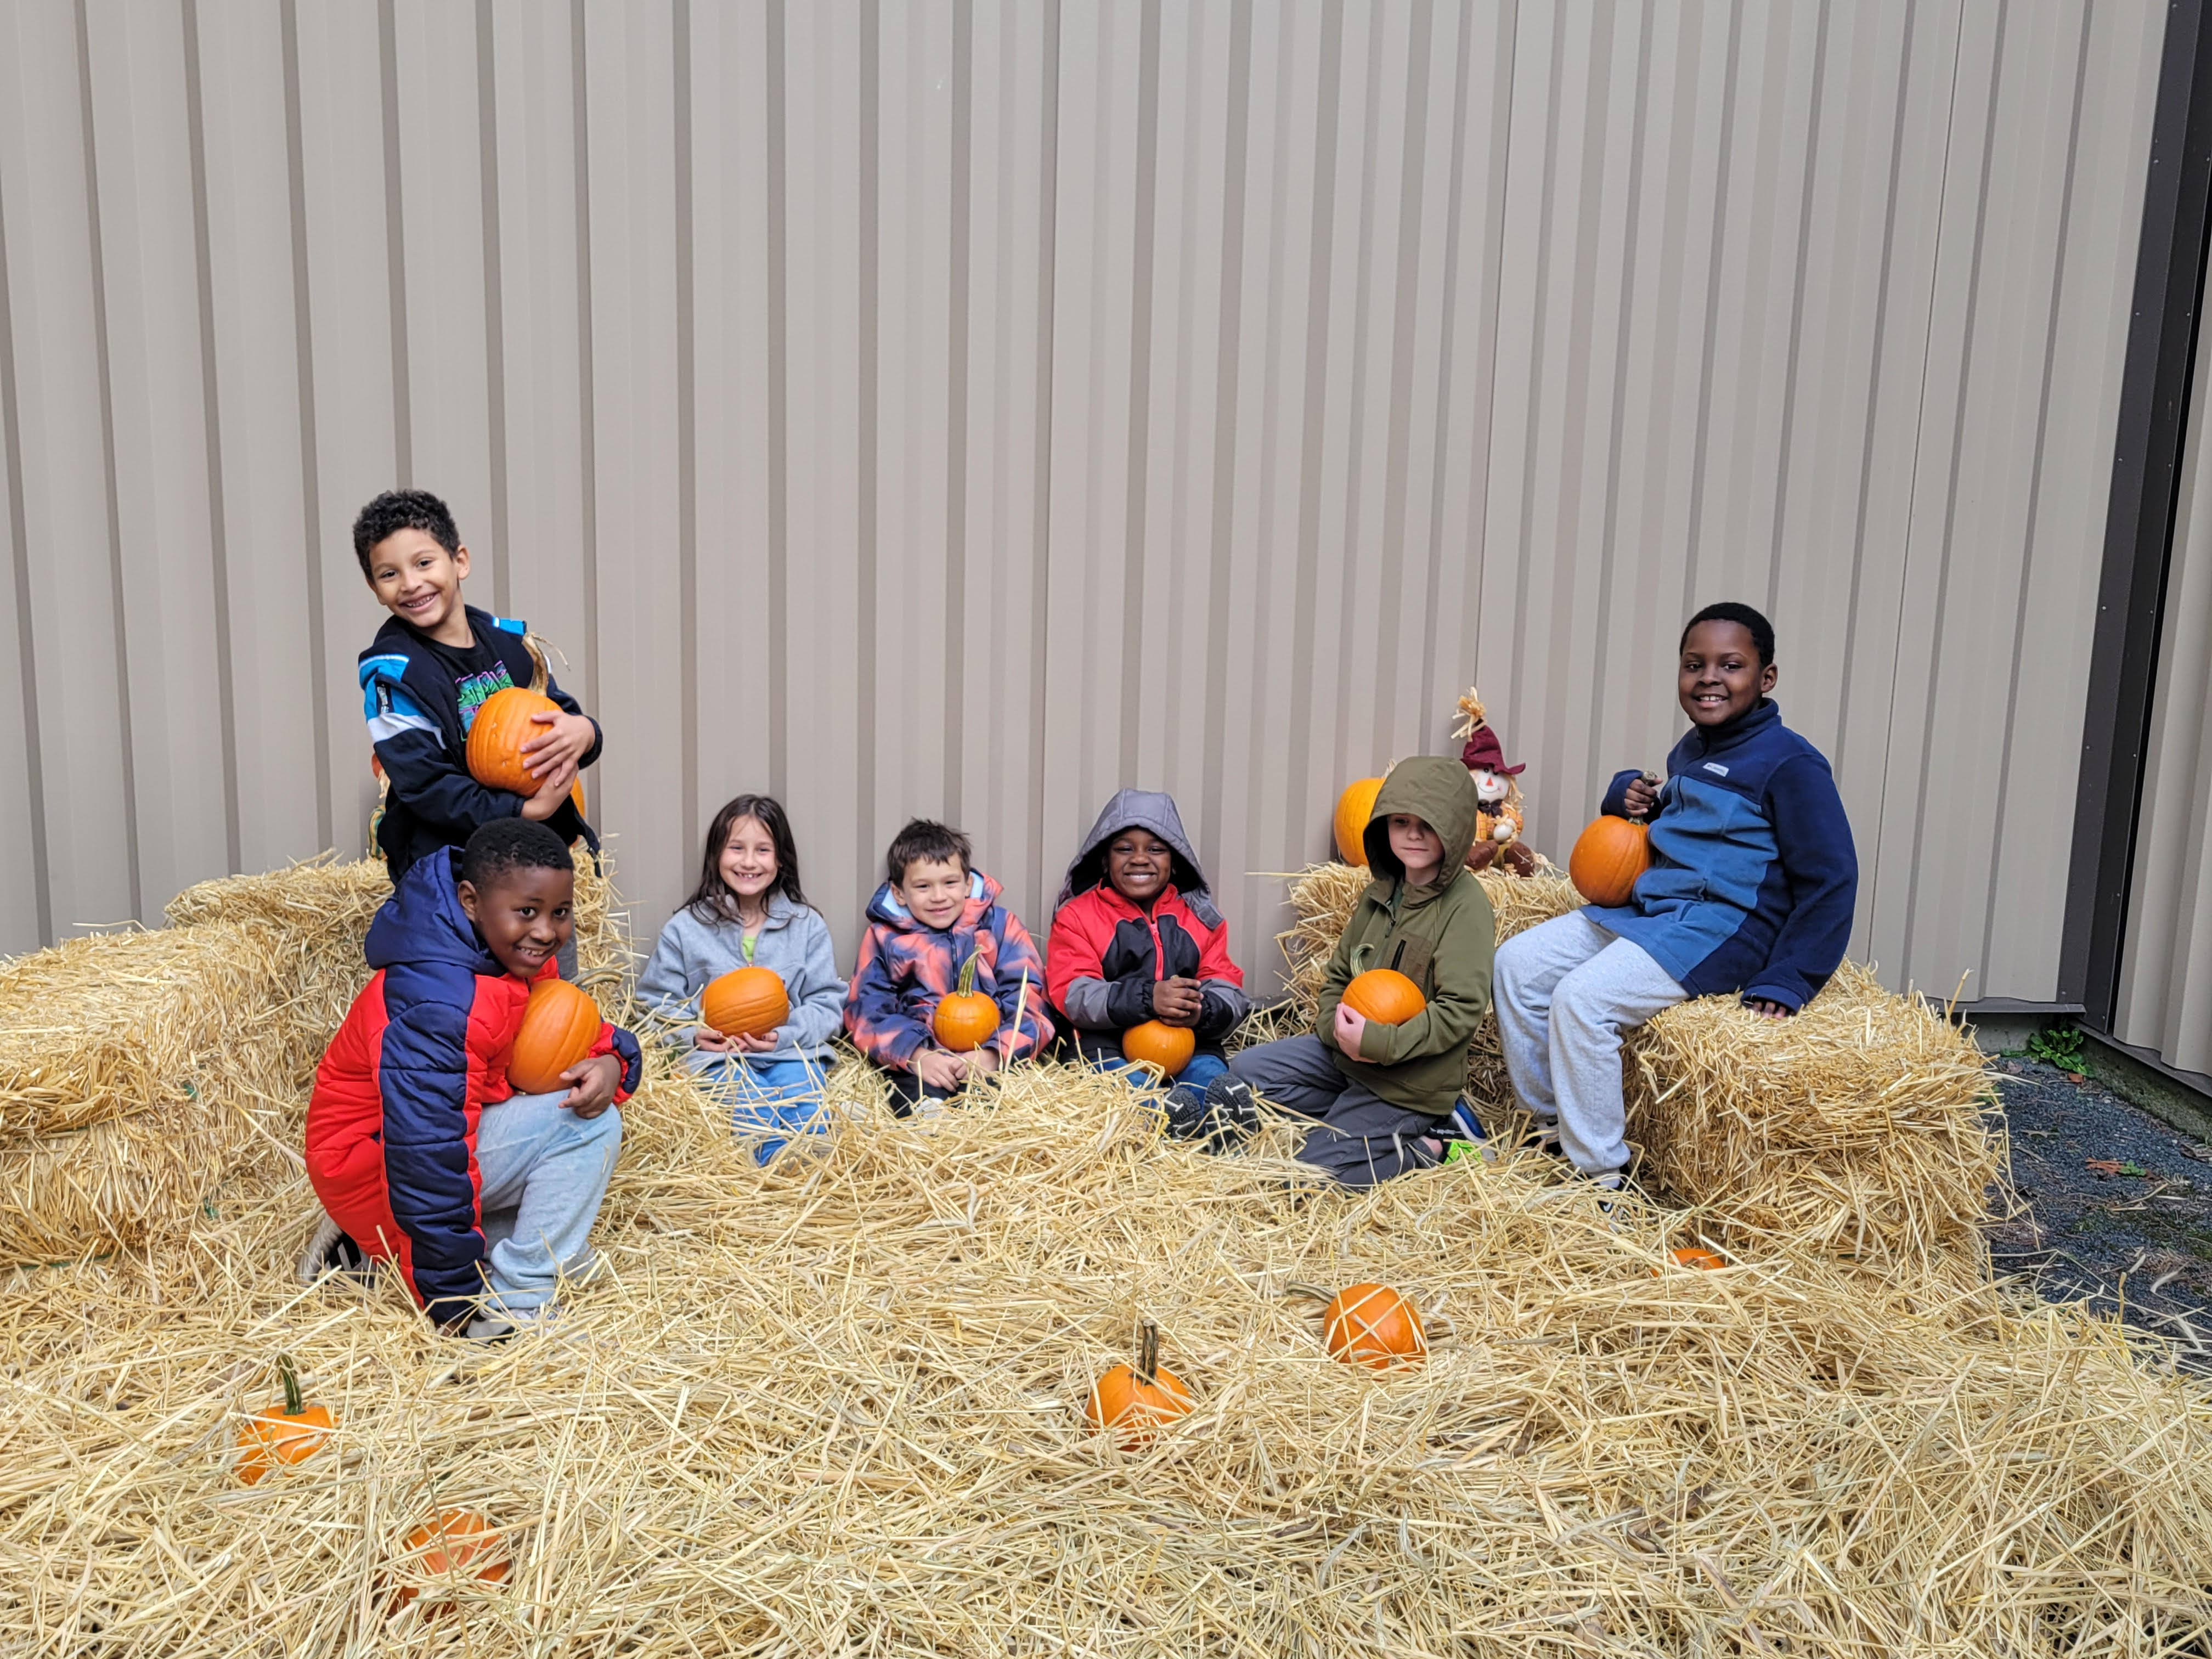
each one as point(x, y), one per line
point(1141, 809)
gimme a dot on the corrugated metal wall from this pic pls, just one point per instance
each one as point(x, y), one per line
point(968, 407)
point(2165, 966)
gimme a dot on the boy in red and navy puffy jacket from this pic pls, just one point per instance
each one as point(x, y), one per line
point(417, 1143)
point(1135, 937)
point(935, 912)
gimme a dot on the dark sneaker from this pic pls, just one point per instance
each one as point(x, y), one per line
point(1226, 1115)
point(329, 1251)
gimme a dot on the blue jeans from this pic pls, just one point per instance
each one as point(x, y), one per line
point(771, 1099)
point(542, 1172)
point(1201, 1071)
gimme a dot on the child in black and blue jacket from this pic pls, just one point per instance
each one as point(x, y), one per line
point(1750, 892)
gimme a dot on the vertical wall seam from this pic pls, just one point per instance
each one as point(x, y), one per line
point(311, 492)
point(1712, 308)
point(687, 429)
point(1623, 329)
point(956, 390)
point(1041, 536)
point(1228, 342)
point(1838, 749)
point(118, 587)
point(1141, 239)
point(495, 299)
point(868, 417)
point(1350, 556)
point(1454, 182)
point(1951, 485)
point(778, 421)
point(1912, 474)
point(588, 431)
point(395, 238)
point(27, 644)
point(2035, 488)
point(211, 419)
point(1547, 174)
point(1493, 270)
point(1314, 387)
point(1797, 310)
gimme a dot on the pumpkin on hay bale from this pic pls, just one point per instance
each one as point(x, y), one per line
point(1856, 1125)
point(842, 1407)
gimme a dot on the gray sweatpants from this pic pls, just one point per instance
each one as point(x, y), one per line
point(1361, 1139)
point(1564, 993)
point(543, 1171)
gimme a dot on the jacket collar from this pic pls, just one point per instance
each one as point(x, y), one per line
point(1730, 734)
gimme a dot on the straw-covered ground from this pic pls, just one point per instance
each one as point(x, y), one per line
point(836, 1407)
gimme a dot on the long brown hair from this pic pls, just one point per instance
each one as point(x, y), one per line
point(713, 901)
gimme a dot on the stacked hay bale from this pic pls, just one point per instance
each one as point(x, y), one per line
point(137, 1071)
point(837, 1407)
point(140, 1070)
point(1858, 1126)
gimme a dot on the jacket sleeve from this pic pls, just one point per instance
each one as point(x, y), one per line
point(1333, 982)
point(1075, 977)
point(1615, 805)
point(881, 1029)
point(1221, 981)
point(1026, 1027)
point(570, 706)
point(614, 1040)
point(433, 783)
point(664, 987)
point(1813, 839)
point(816, 1016)
point(1460, 972)
point(423, 1078)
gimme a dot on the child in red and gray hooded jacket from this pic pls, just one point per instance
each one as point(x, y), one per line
point(1135, 937)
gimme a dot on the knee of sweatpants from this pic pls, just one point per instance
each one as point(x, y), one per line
point(1579, 1005)
point(605, 1130)
point(1506, 966)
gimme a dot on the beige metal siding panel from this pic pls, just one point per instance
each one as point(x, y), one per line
point(52, 298)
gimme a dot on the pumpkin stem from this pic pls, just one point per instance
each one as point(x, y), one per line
point(967, 985)
point(539, 674)
point(1148, 1353)
point(293, 1404)
point(1313, 1291)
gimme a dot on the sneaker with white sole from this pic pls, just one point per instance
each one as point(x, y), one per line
point(329, 1251)
point(497, 1324)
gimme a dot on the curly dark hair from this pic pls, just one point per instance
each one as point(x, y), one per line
point(1752, 623)
point(508, 844)
point(396, 510)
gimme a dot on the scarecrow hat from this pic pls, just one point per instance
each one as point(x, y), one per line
point(1482, 752)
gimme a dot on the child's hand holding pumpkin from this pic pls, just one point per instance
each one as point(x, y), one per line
point(1350, 1026)
point(592, 1084)
point(1177, 1001)
point(939, 1070)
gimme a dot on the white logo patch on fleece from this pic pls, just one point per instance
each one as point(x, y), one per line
point(1715, 768)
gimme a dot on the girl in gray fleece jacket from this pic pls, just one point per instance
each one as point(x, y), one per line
point(749, 910)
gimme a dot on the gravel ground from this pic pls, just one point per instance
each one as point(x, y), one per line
point(2116, 1207)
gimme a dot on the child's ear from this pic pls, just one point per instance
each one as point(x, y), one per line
point(466, 890)
point(461, 561)
point(1767, 677)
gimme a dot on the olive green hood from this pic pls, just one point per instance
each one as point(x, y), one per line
point(1438, 791)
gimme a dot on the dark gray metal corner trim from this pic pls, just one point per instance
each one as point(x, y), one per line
point(2153, 429)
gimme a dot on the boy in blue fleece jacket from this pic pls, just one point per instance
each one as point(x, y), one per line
point(1750, 892)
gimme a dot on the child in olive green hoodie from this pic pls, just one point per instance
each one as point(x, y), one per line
point(1383, 1094)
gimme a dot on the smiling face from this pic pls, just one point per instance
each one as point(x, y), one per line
point(420, 583)
point(523, 914)
point(1137, 865)
point(1417, 847)
point(748, 861)
point(934, 890)
point(1721, 675)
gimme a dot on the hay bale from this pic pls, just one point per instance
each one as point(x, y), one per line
point(836, 1407)
point(101, 1027)
point(1858, 1126)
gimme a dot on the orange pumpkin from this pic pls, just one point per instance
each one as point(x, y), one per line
point(1353, 808)
point(1167, 1047)
point(558, 1029)
point(1372, 1325)
point(456, 1544)
point(1385, 996)
point(503, 724)
point(1141, 1399)
point(1693, 1257)
point(1608, 856)
point(286, 1437)
point(751, 1001)
point(967, 1018)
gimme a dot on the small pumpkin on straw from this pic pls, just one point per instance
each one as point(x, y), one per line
point(1139, 1399)
point(289, 1436)
point(1370, 1325)
point(455, 1544)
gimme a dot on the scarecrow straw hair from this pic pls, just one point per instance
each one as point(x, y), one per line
point(1858, 1124)
point(837, 1405)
